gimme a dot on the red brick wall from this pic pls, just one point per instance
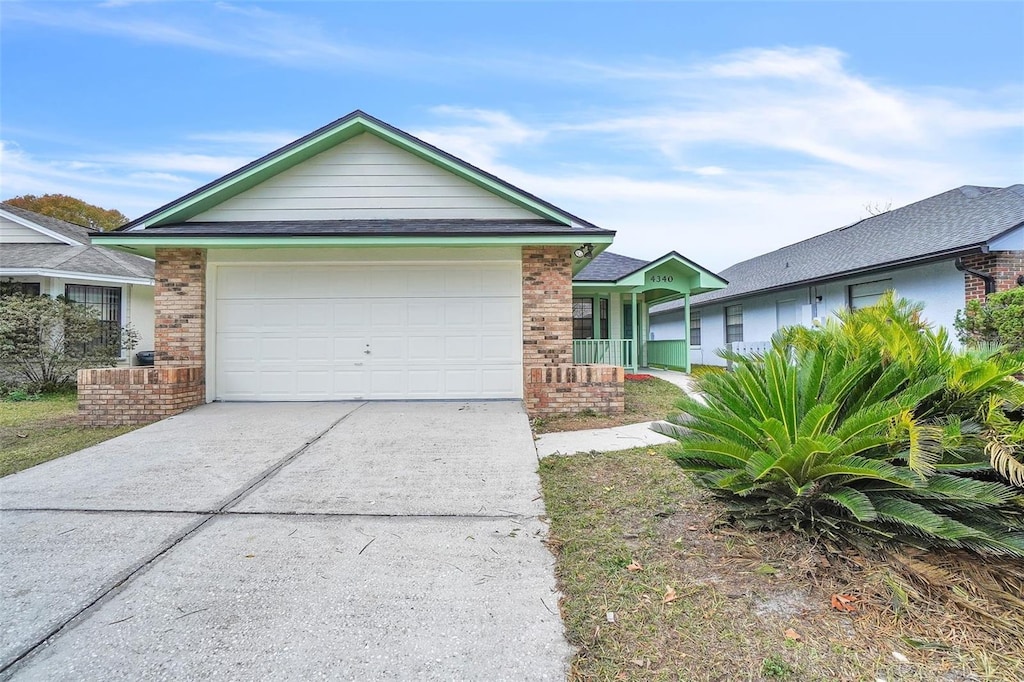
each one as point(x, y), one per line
point(1003, 266)
point(551, 383)
point(118, 396)
point(567, 389)
point(179, 303)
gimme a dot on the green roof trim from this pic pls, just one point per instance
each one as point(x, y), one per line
point(672, 273)
point(325, 138)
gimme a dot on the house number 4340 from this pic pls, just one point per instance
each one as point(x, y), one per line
point(661, 278)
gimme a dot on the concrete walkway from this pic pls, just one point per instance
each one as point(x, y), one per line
point(617, 437)
point(349, 541)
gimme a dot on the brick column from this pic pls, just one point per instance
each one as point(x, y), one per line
point(1003, 266)
point(552, 385)
point(547, 306)
point(179, 303)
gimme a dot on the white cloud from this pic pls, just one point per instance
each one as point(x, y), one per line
point(224, 28)
point(720, 159)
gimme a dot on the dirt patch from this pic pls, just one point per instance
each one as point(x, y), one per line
point(694, 599)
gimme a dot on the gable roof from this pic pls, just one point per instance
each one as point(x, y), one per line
point(358, 122)
point(78, 259)
point(69, 231)
point(955, 222)
point(615, 271)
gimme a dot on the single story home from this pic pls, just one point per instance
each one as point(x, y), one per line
point(942, 251)
point(361, 263)
point(44, 255)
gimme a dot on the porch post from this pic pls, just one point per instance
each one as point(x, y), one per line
point(686, 321)
point(636, 336)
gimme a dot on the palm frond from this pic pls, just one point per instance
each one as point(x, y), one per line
point(853, 501)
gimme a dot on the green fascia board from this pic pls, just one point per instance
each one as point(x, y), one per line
point(675, 266)
point(671, 273)
point(321, 140)
point(145, 244)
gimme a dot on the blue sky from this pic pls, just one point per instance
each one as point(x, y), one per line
point(721, 130)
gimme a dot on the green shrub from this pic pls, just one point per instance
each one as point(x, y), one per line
point(45, 341)
point(999, 320)
point(872, 428)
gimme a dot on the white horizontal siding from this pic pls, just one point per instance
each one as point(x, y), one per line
point(15, 233)
point(364, 178)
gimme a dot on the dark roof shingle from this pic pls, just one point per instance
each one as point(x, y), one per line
point(608, 267)
point(955, 221)
point(82, 257)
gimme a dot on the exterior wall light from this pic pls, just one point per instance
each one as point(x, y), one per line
point(585, 251)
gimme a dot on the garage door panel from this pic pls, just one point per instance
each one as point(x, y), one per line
point(387, 383)
point(461, 349)
point(500, 348)
point(432, 331)
point(424, 383)
point(313, 384)
point(503, 382)
point(350, 314)
point(278, 349)
point(425, 348)
point(460, 312)
point(502, 314)
point(388, 314)
point(350, 383)
point(350, 348)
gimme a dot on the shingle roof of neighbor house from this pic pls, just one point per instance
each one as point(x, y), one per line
point(958, 221)
point(82, 257)
point(608, 267)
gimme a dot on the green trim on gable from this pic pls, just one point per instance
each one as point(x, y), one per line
point(287, 157)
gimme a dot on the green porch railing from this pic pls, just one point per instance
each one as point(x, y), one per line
point(667, 353)
point(603, 352)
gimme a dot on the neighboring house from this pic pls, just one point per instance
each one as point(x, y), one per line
point(360, 262)
point(941, 251)
point(55, 258)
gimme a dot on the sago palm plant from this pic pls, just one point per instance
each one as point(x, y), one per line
point(871, 428)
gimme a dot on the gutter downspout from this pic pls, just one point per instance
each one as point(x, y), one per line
point(990, 281)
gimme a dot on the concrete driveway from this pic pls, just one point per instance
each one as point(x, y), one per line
point(361, 541)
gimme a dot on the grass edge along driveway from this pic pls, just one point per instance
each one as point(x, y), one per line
point(43, 428)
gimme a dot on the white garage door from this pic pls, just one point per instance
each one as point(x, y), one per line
point(374, 331)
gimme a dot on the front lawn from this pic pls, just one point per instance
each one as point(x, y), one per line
point(41, 429)
point(655, 589)
point(648, 400)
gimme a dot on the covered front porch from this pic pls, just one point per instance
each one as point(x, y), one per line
point(612, 297)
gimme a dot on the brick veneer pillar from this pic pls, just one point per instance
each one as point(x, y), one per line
point(552, 385)
point(179, 302)
point(547, 306)
point(1003, 266)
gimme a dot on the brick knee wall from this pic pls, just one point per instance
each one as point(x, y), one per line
point(121, 396)
point(567, 389)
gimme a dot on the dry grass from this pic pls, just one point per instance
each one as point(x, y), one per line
point(951, 617)
point(36, 431)
point(647, 400)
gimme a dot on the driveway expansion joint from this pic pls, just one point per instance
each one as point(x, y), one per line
point(125, 577)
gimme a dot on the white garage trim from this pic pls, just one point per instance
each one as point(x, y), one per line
point(424, 328)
